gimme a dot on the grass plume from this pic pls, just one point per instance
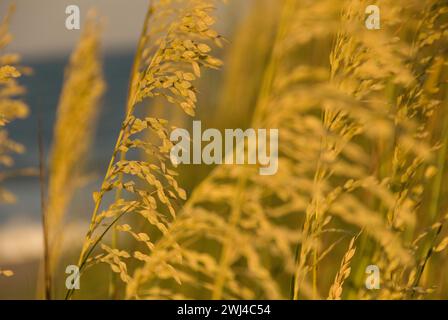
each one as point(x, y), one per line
point(77, 114)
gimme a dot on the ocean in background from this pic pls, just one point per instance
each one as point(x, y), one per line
point(43, 90)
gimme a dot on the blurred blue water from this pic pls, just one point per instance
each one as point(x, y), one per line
point(44, 87)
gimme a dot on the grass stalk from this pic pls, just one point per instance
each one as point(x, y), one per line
point(132, 89)
point(45, 231)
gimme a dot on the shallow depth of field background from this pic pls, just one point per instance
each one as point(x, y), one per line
point(225, 101)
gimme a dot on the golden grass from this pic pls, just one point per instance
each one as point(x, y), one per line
point(169, 65)
point(343, 273)
point(6, 273)
point(235, 230)
point(363, 124)
point(77, 113)
point(11, 107)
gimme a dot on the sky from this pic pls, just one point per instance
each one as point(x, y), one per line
point(39, 31)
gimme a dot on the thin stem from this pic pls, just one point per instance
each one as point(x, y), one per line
point(225, 255)
point(425, 261)
point(441, 160)
point(133, 83)
point(89, 252)
point(47, 270)
point(82, 263)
